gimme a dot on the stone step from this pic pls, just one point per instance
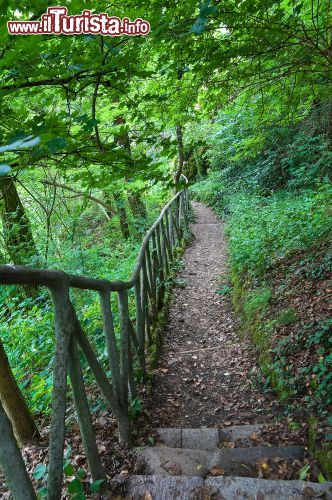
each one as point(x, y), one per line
point(230, 488)
point(165, 461)
point(207, 438)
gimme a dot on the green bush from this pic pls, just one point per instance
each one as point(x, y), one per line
point(313, 378)
point(287, 317)
point(264, 230)
point(262, 157)
point(256, 303)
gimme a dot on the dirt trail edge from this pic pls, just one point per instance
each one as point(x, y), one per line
point(206, 369)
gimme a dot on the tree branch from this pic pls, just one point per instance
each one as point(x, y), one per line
point(56, 81)
point(100, 202)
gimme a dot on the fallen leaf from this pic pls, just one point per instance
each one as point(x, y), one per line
point(226, 444)
point(262, 462)
point(253, 437)
point(173, 469)
point(217, 471)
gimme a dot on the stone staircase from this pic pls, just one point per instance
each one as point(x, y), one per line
point(212, 464)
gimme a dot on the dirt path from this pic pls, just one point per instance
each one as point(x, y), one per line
point(203, 376)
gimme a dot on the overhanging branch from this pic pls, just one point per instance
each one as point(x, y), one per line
point(109, 210)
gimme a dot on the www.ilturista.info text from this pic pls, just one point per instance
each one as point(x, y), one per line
point(57, 21)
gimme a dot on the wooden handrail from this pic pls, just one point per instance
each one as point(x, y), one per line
point(152, 268)
point(21, 275)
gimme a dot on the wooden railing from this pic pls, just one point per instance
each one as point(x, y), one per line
point(153, 267)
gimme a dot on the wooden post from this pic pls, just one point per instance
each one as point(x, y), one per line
point(131, 374)
point(124, 343)
point(145, 301)
point(186, 209)
point(152, 285)
point(179, 215)
point(161, 267)
point(64, 326)
point(156, 269)
point(83, 414)
point(150, 269)
point(171, 226)
point(133, 338)
point(168, 236)
point(178, 233)
point(164, 248)
point(120, 412)
point(112, 350)
point(139, 326)
point(124, 352)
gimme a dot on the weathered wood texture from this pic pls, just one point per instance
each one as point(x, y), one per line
point(128, 352)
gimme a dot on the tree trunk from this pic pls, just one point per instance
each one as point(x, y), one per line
point(136, 205)
point(203, 163)
point(121, 210)
point(14, 403)
point(329, 123)
point(18, 237)
point(22, 250)
point(135, 202)
point(179, 138)
point(178, 172)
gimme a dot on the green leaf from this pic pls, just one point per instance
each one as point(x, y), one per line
point(56, 144)
point(39, 471)
point(42, 492)
point(96, 485)
point(81, 473)
point(69, 469)
point(294, 426)
point(297, 9)
point(304, 472)
point(75, 486)
point(151, 440)
point(321, 478)
point(79, 496)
